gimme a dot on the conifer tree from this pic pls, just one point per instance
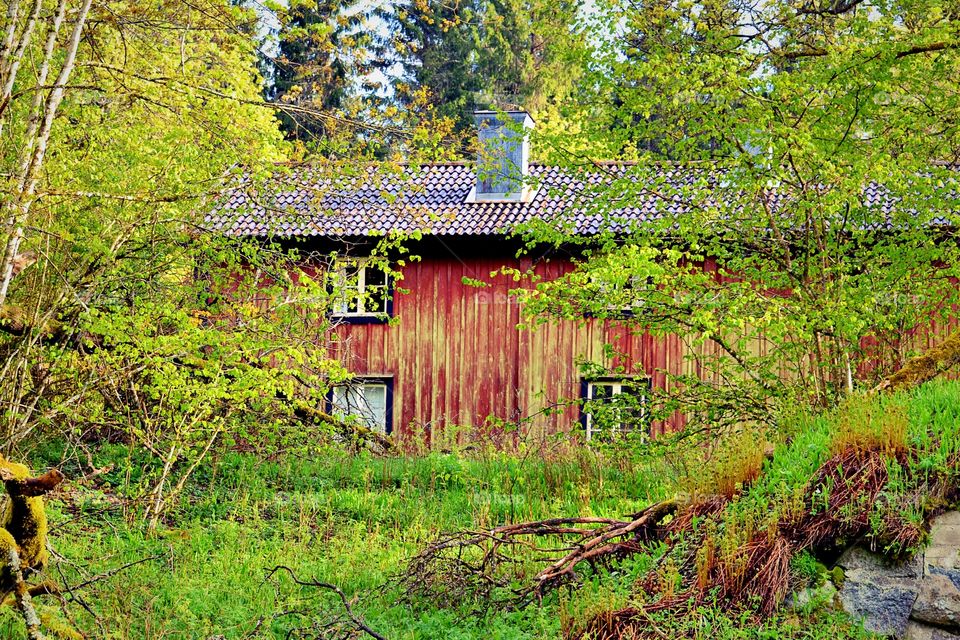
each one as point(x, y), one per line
point(320, 58)
point(479, 54)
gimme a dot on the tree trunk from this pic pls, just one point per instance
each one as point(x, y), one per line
point(36, 142)
point(926, 366)
point(13, 56)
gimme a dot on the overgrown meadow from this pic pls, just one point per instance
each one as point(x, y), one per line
point(225, 563)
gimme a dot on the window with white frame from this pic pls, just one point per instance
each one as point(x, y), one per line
point(625, 298)
point(361, 290)
point(367, 401)
point(614, 406)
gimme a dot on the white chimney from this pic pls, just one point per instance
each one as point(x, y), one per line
point(502, 157)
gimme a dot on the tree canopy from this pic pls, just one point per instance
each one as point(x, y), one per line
point(120, 127)
point(808, 149)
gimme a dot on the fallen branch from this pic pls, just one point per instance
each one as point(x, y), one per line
point(697, 563)
point(107, 574)
point(472, 565)
point(602, 545)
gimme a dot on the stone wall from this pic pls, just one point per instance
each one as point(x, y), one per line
point(918, 599)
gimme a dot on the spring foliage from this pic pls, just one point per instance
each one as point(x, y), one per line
point(794, 167)
point(135, 321)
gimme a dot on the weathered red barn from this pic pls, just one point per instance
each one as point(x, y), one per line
point(433, 352)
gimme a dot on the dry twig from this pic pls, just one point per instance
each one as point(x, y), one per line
point(357, 621)
point(473, 565)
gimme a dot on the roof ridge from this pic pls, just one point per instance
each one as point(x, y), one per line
point(585, 164)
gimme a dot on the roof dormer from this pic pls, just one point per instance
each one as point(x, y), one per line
point(503, 156)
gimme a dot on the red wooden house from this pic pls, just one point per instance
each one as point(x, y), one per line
point(443, 353)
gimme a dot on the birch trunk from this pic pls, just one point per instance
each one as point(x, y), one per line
point(37, 140)
point(10, 66)
point(13, 14)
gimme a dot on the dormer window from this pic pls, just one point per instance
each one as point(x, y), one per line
point(503, 157)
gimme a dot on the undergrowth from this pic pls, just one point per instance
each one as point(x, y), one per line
point(873, 471)
point(355, 520)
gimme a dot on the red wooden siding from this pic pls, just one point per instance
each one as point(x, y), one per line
point(456, 355)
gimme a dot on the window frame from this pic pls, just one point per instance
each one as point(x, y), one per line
point(339, 269)
point(635, 283)
point(642, 382)
point(363, 382)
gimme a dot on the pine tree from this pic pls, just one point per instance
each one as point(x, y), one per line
point(473, 54)
point(321, 57)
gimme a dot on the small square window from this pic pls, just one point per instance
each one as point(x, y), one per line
point(368, 400)
point(361, 291)
point(625, 298)
point(615, 406)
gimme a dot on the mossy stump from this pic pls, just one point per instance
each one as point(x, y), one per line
point(23, 536)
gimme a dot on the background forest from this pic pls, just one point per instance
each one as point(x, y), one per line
point(207, 496)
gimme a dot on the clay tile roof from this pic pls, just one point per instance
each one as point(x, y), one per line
point(433, 199)
point(430, 198)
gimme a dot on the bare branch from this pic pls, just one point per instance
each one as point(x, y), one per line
point(465, 564)
point(357, 620)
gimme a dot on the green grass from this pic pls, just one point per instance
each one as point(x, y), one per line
point(354, 520)
point(351, 521)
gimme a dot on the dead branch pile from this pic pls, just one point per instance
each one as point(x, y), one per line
point(512, 565)
point(474, 567)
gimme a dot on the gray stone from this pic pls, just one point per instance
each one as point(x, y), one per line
point(859, 561)
point(945, 537)
point(883, 606)
point(879, 592)
point(942, 557)
point(947, 518)
point(938, 603)
point(918, 599)
point(919, 631)
point(952, 574)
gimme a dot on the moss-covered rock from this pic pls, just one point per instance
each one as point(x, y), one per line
point(837, 577)
point(25, 519)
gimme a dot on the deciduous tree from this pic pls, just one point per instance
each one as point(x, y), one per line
point(805, 155)
point(121, 125)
